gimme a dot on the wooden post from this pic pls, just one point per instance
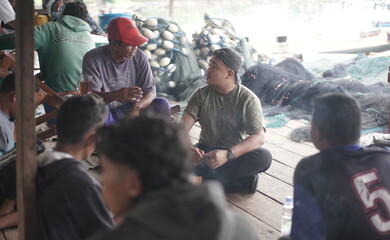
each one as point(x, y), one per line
point(171, 9)
point(26, 165)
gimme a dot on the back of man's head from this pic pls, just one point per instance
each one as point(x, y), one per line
point(338, 118)
point(78, 115)
point(8, 84)
point(76, 9)
point(157, 149)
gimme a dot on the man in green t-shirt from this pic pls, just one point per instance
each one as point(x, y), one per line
point(232, 127)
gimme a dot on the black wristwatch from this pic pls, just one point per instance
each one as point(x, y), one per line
point(230, 155)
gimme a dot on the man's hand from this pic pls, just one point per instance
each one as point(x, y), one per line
point(197, 155)
point(131, 94)
point(216, 158)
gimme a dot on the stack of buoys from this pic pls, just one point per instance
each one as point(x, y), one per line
point(219, 33)
point(165, 40)
point(170, 55)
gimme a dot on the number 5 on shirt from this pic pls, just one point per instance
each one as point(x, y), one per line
point(370, 196)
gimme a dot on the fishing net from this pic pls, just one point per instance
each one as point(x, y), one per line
point(170, 55)
point(219, 33)
point(288, 88)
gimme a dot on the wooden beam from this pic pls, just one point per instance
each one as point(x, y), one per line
point(26, 166)
point(171, 9)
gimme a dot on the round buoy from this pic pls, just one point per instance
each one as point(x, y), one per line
point(173, 27)
point(151, 22)
point(214, 38)
point(182, 40)
point(168, 35)
point(154, 64)
point(151, 46)
point(171, 84)
point(164, 61)
point(159, 51)
point(171, 67)
point(147, 33)
point(156, 33)
point(205, 51)
point(168, 45)
point(214, 47)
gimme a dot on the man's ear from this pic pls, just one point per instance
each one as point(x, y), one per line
point(134, 185)
point(91, 138)
point(231, 73)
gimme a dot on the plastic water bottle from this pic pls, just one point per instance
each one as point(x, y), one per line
point(288, 206)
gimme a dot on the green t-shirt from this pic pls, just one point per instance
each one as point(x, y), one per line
point(225, 119)
point(61, 46)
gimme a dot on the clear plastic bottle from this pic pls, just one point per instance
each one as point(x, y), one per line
point(286, 221)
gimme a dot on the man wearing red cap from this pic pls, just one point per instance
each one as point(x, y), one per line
point(121, 73)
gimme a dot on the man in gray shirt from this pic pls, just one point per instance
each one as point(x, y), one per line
point(232, 127)
point(121, 72)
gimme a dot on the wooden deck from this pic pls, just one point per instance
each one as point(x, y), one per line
point(264, 208)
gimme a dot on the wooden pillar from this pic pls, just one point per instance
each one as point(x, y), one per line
point(26, 165)
point(171, 9)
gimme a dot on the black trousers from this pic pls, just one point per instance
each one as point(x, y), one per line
point(249, 164)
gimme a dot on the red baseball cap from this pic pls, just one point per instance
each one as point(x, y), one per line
point(123, 29)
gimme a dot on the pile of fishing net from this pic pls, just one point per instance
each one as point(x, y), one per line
point(288, 88)
point(219, 33)
point(170, 55)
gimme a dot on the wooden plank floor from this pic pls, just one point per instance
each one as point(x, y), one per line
point(264, 208)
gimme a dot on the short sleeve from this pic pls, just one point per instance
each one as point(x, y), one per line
point(194, 104)
point(253, 115)
point(7, 13)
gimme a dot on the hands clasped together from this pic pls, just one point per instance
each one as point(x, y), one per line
point(213, 159)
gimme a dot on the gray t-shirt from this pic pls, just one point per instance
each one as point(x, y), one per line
point(6, 133)
point(225, 119)
point(109, 76)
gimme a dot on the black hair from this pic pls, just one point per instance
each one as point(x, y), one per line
point(76, 116)
point(8, 84)
point(338, 116)
point(157, 149)
point(76, 9)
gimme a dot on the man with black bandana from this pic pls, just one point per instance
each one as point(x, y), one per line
point(232, 127)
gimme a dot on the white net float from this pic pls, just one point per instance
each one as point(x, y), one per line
point(168, 35)
point(151, 22)
point(154, 64)
point(147, 33)
point(164, 61)
point(159, 51)
point(151, 46)
point(173, 27)
point(167, 44)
